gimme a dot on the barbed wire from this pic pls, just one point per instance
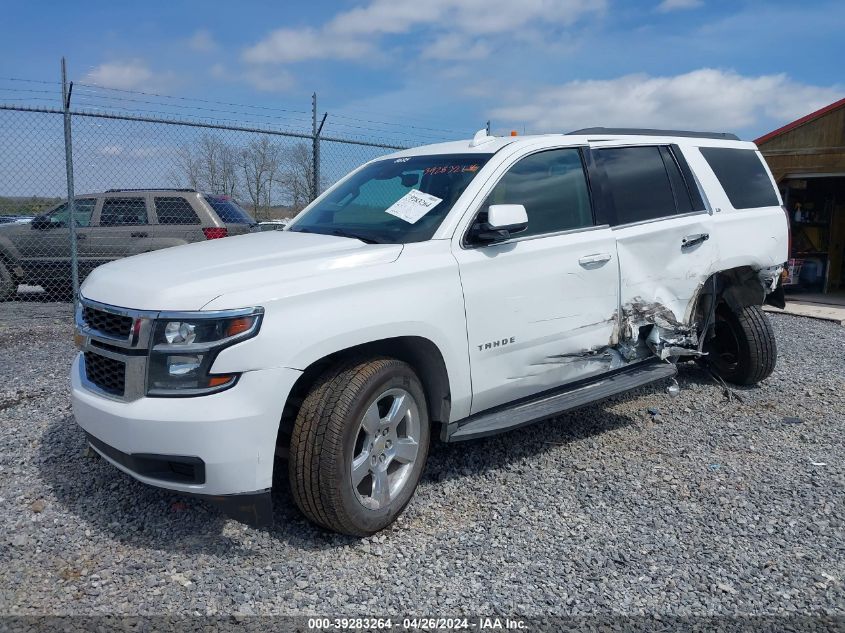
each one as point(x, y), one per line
point(104, 98)
point(183, 98)
point(98, 91)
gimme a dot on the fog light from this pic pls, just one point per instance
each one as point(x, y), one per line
point(183, 365)
point(180, 333)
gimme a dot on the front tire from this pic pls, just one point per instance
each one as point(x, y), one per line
point(359, 445)
point(8, 285)
point(743, 350)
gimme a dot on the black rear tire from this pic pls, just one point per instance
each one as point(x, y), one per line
point(8, 284)
point(743, 350)
point(328, 435)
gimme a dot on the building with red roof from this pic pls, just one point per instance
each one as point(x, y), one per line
point(807, 158)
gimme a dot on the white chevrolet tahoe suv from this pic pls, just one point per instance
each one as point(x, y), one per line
point(451, 291)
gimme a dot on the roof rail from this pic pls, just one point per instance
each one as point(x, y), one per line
point(633, 131)
point(150, 189)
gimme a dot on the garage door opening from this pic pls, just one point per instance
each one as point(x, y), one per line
point(816, 205)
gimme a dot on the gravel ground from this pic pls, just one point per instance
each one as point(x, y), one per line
point(711, 506)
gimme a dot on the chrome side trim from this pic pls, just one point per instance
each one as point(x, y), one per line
point(662, 218)
point(538, 236)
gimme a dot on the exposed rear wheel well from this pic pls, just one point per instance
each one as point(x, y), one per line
point(420, 353)
point(738, 287)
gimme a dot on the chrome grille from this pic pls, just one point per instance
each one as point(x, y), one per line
point(107, 374)
point(110, 324)
point(115, 341)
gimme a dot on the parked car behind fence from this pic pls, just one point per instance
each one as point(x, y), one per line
point(111, 225)
point(15, 219)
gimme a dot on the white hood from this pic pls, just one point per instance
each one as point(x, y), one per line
point(188, 277)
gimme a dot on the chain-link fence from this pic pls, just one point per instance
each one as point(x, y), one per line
point(141, 184)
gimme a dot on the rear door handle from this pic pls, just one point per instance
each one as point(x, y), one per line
point(598, 258)
point(693, 240)
point(138, 235)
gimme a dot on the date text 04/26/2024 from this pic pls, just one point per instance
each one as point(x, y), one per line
point(417, 624)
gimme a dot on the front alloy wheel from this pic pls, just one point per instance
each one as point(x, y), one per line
point(359, 445)
point(386, 448)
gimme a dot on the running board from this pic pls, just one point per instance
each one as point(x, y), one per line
point(551, 404)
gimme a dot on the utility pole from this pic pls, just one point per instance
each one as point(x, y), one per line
point(315, 149)
point(71, 205)
point(315, 146)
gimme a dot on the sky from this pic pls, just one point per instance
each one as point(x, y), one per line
point(425, 70)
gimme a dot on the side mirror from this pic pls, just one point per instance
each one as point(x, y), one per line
point(40, 222)
point(503, 220)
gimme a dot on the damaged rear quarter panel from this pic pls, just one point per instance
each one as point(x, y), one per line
point(758, 238)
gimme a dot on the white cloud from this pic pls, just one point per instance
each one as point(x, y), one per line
point(354, 33)
point(202, 41)
point(263, 78)
point(218, 71)
point(701, 99)
point(678, 5)
point(126, 75)
point(289, 45)
point(269, 80)
point(455, 47)
point(110, 150)
point(467, 16)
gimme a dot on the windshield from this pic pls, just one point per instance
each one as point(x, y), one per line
point(395, 201)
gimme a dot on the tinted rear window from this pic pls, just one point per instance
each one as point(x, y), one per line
point(743, 177)
point(638, 182)
point(229, 211)
point(123, 212)
point(175, 210)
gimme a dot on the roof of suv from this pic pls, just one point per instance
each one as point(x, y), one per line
point(161, 190)
point(182, 190)
point(492, 144)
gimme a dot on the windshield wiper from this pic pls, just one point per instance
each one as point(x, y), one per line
point(354, 236)
point(339, 233)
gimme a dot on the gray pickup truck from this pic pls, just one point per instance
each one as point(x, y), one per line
point(111, 225)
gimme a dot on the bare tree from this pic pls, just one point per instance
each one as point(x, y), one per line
point(260, 163)
point(217, 165)
point(297, 176)
point(188, 168)
point(209, 165)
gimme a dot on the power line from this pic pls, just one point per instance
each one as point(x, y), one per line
point(46, 92)
point(32, 81)
point(93, 95)
point(197, 99)
point(372, 129)
point(175, 117)
point(404, 125)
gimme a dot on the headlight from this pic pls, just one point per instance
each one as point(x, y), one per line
point(184, 347)
point(180, 332)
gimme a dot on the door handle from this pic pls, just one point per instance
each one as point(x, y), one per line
point(138, 235)
point(81, 236)
point(598, 258)
point(693, 240)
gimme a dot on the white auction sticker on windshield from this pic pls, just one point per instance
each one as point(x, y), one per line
point(413, 205)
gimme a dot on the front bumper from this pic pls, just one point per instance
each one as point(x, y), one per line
point(231, 434)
